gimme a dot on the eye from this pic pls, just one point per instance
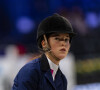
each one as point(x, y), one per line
point(56, 38)
point(66, 40)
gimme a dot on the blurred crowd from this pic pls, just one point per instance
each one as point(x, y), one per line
point(19, 20)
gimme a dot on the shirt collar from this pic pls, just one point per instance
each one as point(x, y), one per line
point(52, 65)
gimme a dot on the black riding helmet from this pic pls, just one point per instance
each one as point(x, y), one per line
point(54, 24)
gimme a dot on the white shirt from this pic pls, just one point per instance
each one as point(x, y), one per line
point(54, 67)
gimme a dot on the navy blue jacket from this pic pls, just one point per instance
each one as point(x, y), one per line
point(36, 75)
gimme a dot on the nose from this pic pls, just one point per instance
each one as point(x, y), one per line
point(64, 43)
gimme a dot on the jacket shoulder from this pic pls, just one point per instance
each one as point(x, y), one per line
point(30, 67)
point(29, 72)
point(27, 76)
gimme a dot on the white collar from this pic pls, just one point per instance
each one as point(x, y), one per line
point(52, 65)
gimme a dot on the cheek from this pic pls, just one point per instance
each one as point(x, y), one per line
point(52, 43)
point(68, 47)
point(54, 46)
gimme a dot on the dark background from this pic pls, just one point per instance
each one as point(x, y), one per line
point(19, 20)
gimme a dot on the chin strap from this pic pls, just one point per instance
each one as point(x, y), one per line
point(48, 49)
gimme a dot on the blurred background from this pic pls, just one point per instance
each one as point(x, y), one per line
point(19, 20)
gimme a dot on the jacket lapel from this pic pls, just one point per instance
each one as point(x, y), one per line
point(58, 79)
point(48, 75)
point(44, 65)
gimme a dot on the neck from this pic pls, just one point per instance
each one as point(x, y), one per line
point(53, 58)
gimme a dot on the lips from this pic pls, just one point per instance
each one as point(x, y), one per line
point(63, 49)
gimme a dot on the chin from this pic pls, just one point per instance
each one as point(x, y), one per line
point(62, 57)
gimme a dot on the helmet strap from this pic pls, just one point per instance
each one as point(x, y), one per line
point(47, 48)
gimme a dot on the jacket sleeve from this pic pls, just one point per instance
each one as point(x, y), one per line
point(26, 79)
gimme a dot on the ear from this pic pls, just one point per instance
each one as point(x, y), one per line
point(43, 43)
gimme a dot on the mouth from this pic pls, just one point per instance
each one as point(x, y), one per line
point(63, 50)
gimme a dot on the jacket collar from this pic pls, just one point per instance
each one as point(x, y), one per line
point(44, 65)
